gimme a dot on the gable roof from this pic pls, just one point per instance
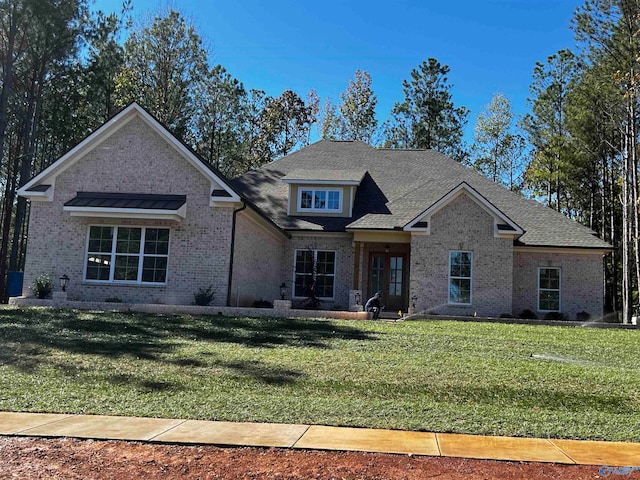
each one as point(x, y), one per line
point(399, 187)
point(506, 225)
point(35, 186)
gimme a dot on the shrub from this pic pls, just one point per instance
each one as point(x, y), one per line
point(583, 316)
point(42, 286)
point(528, 314)
point(262, 304)
point(555, 316)
point(204, 296)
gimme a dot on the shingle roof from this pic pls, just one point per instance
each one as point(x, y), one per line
point(398, 186)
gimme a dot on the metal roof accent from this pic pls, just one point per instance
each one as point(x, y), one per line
point(127, 200)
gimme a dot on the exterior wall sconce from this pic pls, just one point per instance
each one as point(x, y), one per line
point(64, 281)
point(358, 298)
point(387, 248)
point(283, 290)
point(414, 299)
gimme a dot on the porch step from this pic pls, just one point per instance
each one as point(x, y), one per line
point(390, 315)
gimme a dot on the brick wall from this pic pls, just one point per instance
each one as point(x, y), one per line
point(582, 280)
point(465, 226)
point(345, 251)
point(257, 262)
point(135, 159)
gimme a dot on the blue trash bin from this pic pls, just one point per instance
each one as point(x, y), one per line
point(15, 283)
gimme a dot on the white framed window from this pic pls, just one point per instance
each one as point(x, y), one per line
point(320, 200)
point(549, 289)
point(314, 268)
point(124, 254)
point(460, 277)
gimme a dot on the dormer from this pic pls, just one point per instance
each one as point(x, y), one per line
point(322, 193)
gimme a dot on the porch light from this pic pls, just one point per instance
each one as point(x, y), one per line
point(358, 298)
point(283, 290)
point(414, 299)
point(387, 248)
point(64, 281)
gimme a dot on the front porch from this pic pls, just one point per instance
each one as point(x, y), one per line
point(382, 264)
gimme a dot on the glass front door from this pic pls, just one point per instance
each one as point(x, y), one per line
point(386, 274)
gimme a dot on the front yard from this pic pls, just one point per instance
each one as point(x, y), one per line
point(438, 376)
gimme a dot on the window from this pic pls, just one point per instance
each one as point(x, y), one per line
point(549, 289)
point(323, 275)
point(320, 200)
point(127, 254)
point(460, 272)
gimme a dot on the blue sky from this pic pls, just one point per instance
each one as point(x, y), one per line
point(490, 45)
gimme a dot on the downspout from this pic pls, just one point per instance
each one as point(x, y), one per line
point(233, 247)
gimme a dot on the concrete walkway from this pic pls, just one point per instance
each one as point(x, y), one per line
point(615, 454)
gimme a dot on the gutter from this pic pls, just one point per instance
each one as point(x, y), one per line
point(233, 247)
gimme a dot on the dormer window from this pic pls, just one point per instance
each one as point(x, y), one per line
point(320, 200)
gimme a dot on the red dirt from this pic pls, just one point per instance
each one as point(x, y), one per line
point(38, 458)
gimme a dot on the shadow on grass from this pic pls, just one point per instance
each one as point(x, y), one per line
point(28, 336)
point(143, 385)
point(262, 373)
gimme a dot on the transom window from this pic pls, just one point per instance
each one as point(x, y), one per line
point(127, 254)
point(325, 200)
point(549, 281)
point(314, 269)
point(460, 277)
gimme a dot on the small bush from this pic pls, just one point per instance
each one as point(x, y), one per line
point(528, 314)
point(583, 316)
point(113, 300)
point(262, 304)
point(555, 316)
point(204, 296)
point(42, 286)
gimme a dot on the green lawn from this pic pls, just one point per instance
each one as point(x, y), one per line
point(439, 376)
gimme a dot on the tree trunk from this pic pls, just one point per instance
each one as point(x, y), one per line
point(29, 141)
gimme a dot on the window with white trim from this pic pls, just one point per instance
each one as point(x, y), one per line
point(549, 283)
point(314, 269)
point(127, 254)
point(460, 277)
point(319, 200)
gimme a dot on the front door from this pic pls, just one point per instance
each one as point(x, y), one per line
point(387, 276)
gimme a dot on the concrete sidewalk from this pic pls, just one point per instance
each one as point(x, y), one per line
point(615, 454)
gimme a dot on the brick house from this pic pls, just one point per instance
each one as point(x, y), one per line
point(133, 213)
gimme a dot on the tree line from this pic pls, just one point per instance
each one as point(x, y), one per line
point(66, 69)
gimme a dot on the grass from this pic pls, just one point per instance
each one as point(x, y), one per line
point(442, 376)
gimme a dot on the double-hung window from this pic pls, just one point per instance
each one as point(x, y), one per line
point(460, 277)
point(315, 269)
point(549, 282)
point(320, 200)
point(127, 254)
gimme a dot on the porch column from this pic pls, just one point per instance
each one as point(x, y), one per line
point(360, 254)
